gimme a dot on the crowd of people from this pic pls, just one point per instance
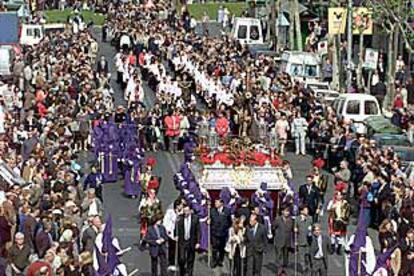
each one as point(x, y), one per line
point(212, 95)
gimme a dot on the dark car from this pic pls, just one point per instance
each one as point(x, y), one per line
point(398, 142)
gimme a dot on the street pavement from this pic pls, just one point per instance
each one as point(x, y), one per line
point(124, 211)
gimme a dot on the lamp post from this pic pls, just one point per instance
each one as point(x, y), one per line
point(349, 41)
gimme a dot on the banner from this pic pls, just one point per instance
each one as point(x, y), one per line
point(362, 21)
point(371, 59)
point(336, 20)
point(323, 47)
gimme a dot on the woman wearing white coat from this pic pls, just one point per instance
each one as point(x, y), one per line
point(235, 247)
point(299, 132)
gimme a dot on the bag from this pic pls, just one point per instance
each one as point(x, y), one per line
point(370, 197)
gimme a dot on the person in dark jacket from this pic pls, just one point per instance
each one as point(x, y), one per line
point(319, 250)
point(379, 91)
point(309, 195)
point(156, 237)
point(219, 228)
point(256, 241)
point(188, 234)
point(283, 229)
point(43, 240)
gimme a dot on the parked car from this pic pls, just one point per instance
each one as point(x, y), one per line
point(380, 125)
point(322, 91)
point(301, 66)
point(356, 107)
point(398, 142)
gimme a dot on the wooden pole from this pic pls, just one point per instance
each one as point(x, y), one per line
point(359, 262)
point(208, 236)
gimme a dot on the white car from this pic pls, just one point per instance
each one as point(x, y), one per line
point(322, 91)
point(356, 107)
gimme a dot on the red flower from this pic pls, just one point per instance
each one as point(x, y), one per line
point(151, 162)
point(319, 163)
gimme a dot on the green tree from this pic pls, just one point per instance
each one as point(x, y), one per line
point(393, 18)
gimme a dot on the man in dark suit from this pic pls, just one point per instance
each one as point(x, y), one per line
point(43, 239)
point(219, 228)
point(29, 227)
point(310, 196)
point(188, 233)
point(256, 241)
point(303, 229)
point(319, 249)
point(283, 229)
point(157, 238)
point(90, 233)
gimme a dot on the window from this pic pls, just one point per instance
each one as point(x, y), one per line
point(29, 32)
point(36, 33)
point(296, 70)
point(353, 107)
point(242, 32)
point(371, 108)
point(254, 33)
point(310, 70)
point(341, 107)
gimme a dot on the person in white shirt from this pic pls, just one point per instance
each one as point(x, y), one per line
point(169, 222)
point(299, 132)
point(125, 42)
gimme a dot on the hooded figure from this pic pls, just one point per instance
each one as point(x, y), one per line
point(361, 261)
point(132, 186)
point(261, 199)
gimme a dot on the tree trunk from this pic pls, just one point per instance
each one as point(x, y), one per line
point(336, 67)
point(297, 26)
point(391, 64)
point(272, 23)
point(360, 62)
point(291, 27)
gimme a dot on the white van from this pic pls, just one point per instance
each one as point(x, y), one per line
point(32, 34)
point(6, 59)
point(247, 30)
point(301, 65)
point(356, 107)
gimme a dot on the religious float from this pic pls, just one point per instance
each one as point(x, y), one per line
point(238, 166)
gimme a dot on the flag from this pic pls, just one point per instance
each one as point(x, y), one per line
point(107, 235)
point(383, 257)
point(103, 267)
point(357, 258)
point(113, 258)
point(108, 247)
point(296, 204)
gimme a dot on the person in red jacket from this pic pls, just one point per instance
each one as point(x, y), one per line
point(222, 125)
point(172, 130)
point(398, 102)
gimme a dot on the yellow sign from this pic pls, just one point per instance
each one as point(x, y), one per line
point(362, 21)
point(337, 20)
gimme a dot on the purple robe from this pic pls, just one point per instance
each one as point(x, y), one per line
point(357, 258)
point(189, 147)
point(97, 140)
point(266, 205)
point(109, 164)
point(132, 186)
point(202, 213)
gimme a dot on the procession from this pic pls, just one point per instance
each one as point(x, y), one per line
point(163, 138)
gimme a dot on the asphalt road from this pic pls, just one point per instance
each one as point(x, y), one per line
point(124, 211)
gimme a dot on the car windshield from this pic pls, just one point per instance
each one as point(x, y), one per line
point(405, 155)
point(394, 141)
